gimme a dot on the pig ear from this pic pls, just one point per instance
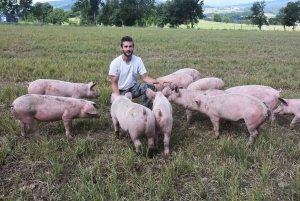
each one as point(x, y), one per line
point(91, 84)
point(128, 95)
point(90, 110)
point(150, 93)
point(113, 97)
point(166, 91)
point(197, 101)
point(283, 101)
point(177, 92)
point(176, 88)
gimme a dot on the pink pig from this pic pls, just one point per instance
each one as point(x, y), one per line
point(133, 118)
point(265, 93)
point(61, 88)
point(232, 107)
point(162, 110)
point(190, 71)
point(183, 97)
point(236, 106)
point(207, 83)
point(179, 79)
point(47, 108)
point(289, 106)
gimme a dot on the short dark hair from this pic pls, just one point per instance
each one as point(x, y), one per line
point(128, 39)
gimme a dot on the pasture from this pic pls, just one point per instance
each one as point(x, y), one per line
point(97, 166)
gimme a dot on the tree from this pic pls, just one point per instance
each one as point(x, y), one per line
point(58, 16)
point(88, 9)
point(184, 12)
point(161, 13)
point(291, 13)
point(217, 17)
point(25, 7)
point(281, 17)
point(258, 15)
point(145, 11)
point(41, 11)
point(226, 20)
point(128, 12)
point(9, 7)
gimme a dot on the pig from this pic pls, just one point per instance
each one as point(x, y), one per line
point(179, 79)
point(61, 88)
point(137, 120)
point(162, 110)
point(265, 93)
point(243, 106)
point(47, 108)
point(214, 92)
point(183, 97)
point(289, 106)
point(232, 107)
point(190, 71)
point(207, 83)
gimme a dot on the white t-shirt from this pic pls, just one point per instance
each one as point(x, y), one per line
point(127, 73)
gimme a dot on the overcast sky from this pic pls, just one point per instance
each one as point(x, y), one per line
point(206, 2)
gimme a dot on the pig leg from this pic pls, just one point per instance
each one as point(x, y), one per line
point(150, 147)
point(137, 144)
point(253, 134)
point(294, 122)
point(68, 125)
point(216, 123)
point(22, 127)
point(33, 128)
point(117, 127)
point(166, 143)
point(188, 115)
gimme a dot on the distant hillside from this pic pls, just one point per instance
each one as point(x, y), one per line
point(271, 6)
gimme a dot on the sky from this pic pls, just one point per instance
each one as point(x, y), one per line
point(206, 2)
point(224, 2)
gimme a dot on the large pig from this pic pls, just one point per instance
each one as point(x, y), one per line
point(47, 108)
point(265, 93)
point(190, 71)
point(232, 107)
point(207, 83)
point(162, 110)
point(62, 88)
point(179, 79)
point(289, 106)
point(183, 97)
point(133, 118)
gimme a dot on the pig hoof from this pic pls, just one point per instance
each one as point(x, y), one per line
point(70, 137)
point(249, 144)
point(292, 127)
point(117, 134)
point(151, 153)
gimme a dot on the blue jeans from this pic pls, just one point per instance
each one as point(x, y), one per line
point(140, 90)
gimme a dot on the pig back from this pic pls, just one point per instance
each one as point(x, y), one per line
point(133, 117)
point(207, 83)
point(237, 106)
point(45, 107)
point(265, 93)
point(179, 79)
point(51, 87)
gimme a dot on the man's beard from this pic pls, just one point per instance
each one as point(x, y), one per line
point(126, 55)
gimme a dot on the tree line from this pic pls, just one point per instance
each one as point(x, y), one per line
point(142, 13)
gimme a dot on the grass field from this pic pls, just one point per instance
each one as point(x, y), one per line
point(97, 166)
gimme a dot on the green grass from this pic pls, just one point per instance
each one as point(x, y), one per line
point(97, 166)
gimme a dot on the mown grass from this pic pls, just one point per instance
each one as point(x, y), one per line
point(97, 166)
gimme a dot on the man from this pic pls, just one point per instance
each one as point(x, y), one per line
point(124, 71)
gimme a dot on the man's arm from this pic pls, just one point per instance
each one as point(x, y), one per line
point(114, 84)
point(148, 79)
